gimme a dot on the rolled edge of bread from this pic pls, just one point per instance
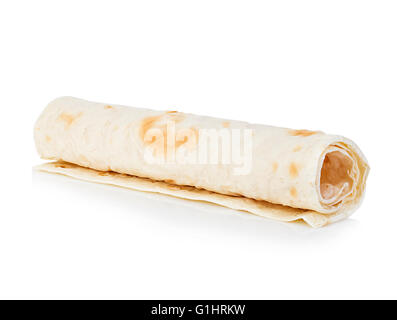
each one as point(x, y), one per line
point(342, 175)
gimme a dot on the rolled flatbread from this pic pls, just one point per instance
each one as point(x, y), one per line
point(273, 172)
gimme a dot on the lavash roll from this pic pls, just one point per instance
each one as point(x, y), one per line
point(313, 176)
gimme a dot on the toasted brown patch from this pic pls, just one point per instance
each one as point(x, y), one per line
point(157, 137)
point(69, 118)
point(191, 136)
point(147, 124)
point(63, 164)
point(293, 170)
point(293, 192)
point(175, 116)
point(195, 133)
point(103, 173)
point(196, 137)
point(160, 123)
point(109, 107)
point(275, 166)
point(151, 122)
point(302, 133)
point(178, 143)
point(170, 181)
point(48, 138)
point(226, 124)
point(297, 148)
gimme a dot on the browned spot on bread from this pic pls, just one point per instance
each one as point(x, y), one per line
point(170, 181)
point(151, 132)
point(104, 173)
point(302, 133)
point(189, 135)
point(108, 107)
point(297, 148)
point(275, 166)
point(48, 138)
point(69, 118)
point(293, 170)
point(159, 134)
point(178, 143)
point(152, 122)
point(293, 192)
point(175, 116)
point(226, 124)
point(62, 164)
point(146, 124)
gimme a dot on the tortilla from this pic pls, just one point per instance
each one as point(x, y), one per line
point(293, 175)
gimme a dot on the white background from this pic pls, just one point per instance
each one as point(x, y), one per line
point(328, 65)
